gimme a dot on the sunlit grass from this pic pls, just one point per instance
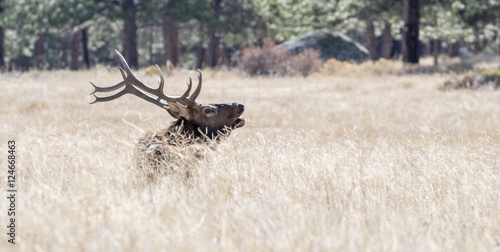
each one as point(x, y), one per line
point(324, 163)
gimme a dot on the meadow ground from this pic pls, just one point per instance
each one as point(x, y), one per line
point(324, 163)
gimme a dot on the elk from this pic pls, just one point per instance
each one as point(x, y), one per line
point(195, 124)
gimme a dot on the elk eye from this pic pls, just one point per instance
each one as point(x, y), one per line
point(208, 111)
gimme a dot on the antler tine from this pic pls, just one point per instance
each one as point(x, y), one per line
point(129, 89)
point(106, 89)
point(166, 97)
point(125, 68)
point(190, 84)
point(198, 88)
point(162, 80)
point(123, 73)
point(131, 84)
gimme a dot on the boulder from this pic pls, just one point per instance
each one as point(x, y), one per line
point(331, 45)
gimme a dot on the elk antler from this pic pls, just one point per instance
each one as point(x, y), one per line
point(131, 84)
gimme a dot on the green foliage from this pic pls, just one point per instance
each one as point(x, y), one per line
point(466, 20)
point(288, 18)
point(241, 23)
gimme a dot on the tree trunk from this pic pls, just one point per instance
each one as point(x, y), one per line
point(63, 56)
point(213, 47)
point(171, 40)
point(477, 45)
point(200, 57)
point(411, 13)
point(213, 50)
point(454, 49)
point(149, 31)
point(130, 34)
point(40, 59)
point(371, 41)
point(85, 42)
point(2, 41)
point(387, 39)
point(436, 48)
point(75, 51)
point(2, 48)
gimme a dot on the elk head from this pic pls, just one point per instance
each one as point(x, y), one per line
point(210, 120)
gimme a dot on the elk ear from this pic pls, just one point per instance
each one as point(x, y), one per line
point(177, 110)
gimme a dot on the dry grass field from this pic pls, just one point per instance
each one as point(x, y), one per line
point(324, 163)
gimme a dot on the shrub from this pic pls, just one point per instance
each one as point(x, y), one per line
point(490, 77)
point(250, 61)
point(265, 59)
point(306, 62)
point(460, 67)
point(475, 80)
point(274, 60)
point(465, 82)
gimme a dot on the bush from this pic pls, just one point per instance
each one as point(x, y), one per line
point(273, 60)
point(460, 67)
point(465, 82)
point(475, 80)
point(265, 59)
point(306, 62)
point(490, 77)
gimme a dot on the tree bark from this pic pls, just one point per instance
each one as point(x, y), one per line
point(477, 44)
point(372, 41)
point(75, 51)
point(129, 41)
point(2, 48)
point(40, 59)
point(202, 51)
point(200, 57)
point(454, 49)
point(213, 47)
point(411, 13)
point(436, 49)
point(171, 40)
point(213, 50)
point(386, 48)
point(2, 41)
point(85, 42)
point(149, 31)
point(63, 55)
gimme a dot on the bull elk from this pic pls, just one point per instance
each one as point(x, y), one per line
point(196, 123)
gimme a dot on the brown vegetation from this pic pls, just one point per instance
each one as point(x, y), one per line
point(274, 60)
point(329, 162)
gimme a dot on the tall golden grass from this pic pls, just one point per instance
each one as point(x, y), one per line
point(324, 163)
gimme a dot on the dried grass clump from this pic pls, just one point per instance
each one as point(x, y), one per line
point(379, 67)
point(466, 81)
point(489, 78)
point(167, 69)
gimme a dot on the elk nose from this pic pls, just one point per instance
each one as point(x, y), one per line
point(241, 105)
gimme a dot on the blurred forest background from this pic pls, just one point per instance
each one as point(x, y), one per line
point(79, 34)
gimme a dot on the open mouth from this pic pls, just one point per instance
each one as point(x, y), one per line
point(239, 122)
